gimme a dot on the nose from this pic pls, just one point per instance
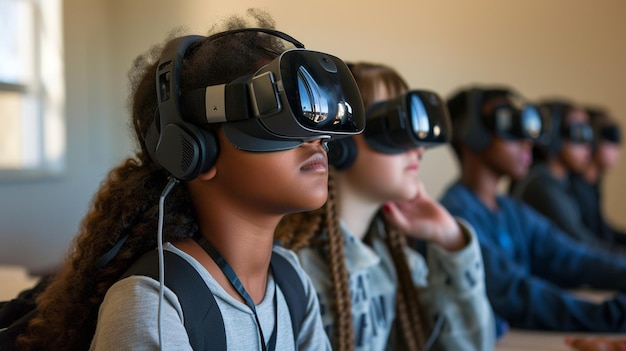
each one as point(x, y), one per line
point(323, 141)
point(419, 151)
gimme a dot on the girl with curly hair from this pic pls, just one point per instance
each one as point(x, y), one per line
point(223, 212)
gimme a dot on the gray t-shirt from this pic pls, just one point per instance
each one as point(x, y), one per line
point(127, 319)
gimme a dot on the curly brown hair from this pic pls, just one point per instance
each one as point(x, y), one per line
point(127, 201)
point(320, 228)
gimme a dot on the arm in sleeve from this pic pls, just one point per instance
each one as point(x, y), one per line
point(566, 262)
point(548, 198)
point(528, 301)
point(127, 319)
point(456, 295)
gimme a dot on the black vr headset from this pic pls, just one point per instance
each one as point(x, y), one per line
point(558, 131)
point(604, 128)
point(417, 118)
point(610, 133)
point(301, 95)
point(511, 123)
point(513, 120)
point(580, 133)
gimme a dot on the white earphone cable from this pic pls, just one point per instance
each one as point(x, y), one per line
point(171, 183)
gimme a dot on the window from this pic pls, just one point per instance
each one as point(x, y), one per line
point(32, 127)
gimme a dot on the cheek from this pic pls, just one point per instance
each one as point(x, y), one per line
point(608, 156)
point(273, 181)
point(512, 159)
point(576, 157)
point(577, 153)
point(384, 177)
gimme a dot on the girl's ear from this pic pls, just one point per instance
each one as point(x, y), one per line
point(208, 175)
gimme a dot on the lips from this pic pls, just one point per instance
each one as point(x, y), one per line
point(414, 167)
point(316, 163)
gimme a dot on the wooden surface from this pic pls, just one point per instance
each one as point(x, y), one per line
point(524, 340)
point(518, 340)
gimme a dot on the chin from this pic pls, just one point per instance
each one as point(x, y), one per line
point(519, 174)
point(405, 196)
point(313, 203)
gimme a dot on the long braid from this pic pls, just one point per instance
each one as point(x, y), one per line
point(343, 325)
point(409, 318)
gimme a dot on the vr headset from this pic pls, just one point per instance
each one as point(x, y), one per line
point(512, 123)
point(299, 96)
point(512, 119)
point(610, 133)
point(414, 119)
point(580, 133)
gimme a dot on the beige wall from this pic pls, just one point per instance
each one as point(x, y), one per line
point(572, 48)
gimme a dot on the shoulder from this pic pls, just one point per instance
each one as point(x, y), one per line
point(454, 197)
point(292, 262)
point(537, 182)
point(289, 256)
point(128, 316)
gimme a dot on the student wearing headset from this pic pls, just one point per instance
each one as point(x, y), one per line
point(586, 186)
point(233, 131)
point(530, 264)
point(376, 292)
point(565, 151)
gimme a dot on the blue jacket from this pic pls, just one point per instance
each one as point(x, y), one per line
point(529, 264)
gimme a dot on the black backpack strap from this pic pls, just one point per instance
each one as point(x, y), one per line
point(291, 285)
point(203, 319)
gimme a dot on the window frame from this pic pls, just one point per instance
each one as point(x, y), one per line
point(42, 145)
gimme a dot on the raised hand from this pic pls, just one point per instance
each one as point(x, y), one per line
point(424, 218)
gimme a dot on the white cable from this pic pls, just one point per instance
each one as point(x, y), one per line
point(168, 188)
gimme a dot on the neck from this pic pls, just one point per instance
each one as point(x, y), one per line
point(248, 255)
point(243, 238)
point(557, 169)
point(482, 181)
point(355, 210)
point(592, 173)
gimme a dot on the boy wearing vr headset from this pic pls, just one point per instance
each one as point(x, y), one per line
point(586, 186)
point(529, 262)
point(566, 150)
point(376, 292)
point(246, 150)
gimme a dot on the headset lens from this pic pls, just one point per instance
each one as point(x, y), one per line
point(578, 133)
point(512, 123)
point(418, 117)
point(321, 92)
point(429, 118)
point(531, 122)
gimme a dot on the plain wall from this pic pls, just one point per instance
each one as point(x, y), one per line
point(571, 48)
